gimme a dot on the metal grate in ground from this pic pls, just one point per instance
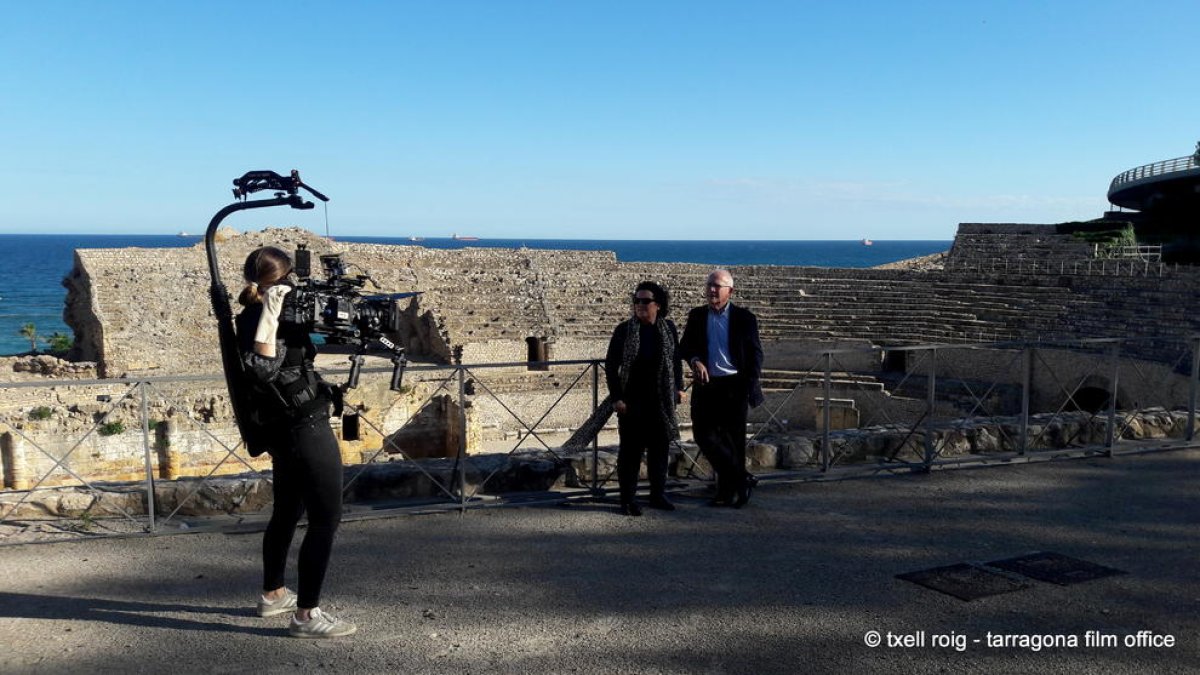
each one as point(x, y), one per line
point(1055, 568)
point(964, 581)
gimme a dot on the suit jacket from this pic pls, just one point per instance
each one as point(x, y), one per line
point(745, 349)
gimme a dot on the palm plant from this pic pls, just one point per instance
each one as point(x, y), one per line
point(29, 332)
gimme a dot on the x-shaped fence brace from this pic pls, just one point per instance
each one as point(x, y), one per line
point(60, 462)
point(390, 443)
point(1158, 385)
point(230, 452)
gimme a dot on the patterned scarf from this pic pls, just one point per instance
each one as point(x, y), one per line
point(665, 378)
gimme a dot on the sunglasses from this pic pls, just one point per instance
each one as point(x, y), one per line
point(642, 301)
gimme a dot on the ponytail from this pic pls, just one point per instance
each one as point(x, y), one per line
point(250, 295)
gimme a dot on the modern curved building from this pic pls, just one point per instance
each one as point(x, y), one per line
point(1170, 186)
point(1163, 199)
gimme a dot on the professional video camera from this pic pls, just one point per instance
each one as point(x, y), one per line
point(335, 306)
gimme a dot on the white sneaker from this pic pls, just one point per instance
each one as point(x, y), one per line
point(286, 603)
point(320, 625)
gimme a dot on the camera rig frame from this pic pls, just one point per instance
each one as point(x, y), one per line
point(287, 193)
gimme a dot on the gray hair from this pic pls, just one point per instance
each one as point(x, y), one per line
point(722, 272)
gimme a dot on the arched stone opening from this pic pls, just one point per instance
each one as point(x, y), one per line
point(1092, 399)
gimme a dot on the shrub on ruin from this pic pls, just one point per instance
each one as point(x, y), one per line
point(1109, 243)
point(112, 428)
point(41, 412)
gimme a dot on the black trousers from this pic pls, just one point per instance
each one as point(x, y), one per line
point(719, 411)
point(308, 477)
point(642, 429)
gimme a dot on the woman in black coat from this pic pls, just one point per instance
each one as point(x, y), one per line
point(645, 382)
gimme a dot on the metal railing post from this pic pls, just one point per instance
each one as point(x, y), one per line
point(1193, 384)
point(826, 417)
point(146, 454)
point(1110, 426)
point(1026, 396)
point(596, 438)
point(462, 439)
point(930, 401)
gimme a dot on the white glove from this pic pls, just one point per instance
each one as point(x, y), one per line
point(268, 323)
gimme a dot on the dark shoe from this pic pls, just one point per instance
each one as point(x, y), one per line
point(743, 495)
point(661, 503)
point(631, 509)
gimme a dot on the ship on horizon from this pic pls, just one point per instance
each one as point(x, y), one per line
point(457, 237)
point(867, 242)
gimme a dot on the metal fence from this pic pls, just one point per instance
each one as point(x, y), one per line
point(1130, 266)
point(1154, 170)
point(848, 412)
point(1148, 253)
point(985, 403)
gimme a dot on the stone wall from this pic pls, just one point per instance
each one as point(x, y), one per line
point(147, 310)
point(982, 244)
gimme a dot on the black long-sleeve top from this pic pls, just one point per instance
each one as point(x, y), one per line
point(293, 360)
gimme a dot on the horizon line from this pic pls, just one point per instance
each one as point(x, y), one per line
point(473, 239)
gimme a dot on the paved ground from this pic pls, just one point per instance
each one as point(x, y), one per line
point(793, 583)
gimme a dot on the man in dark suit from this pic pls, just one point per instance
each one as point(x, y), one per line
point(720, 342)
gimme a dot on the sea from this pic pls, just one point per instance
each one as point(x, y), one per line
point(34, 265)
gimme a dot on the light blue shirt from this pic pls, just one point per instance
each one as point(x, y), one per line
point(719, 362)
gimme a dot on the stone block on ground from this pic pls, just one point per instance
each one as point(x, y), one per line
point(760, 456)
point(437, 478)
point(213, 496)
point(581, 462)
point(797, 452)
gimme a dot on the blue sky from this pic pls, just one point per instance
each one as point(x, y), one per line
point(602, 120)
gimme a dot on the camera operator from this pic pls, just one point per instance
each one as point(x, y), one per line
point(293, 405)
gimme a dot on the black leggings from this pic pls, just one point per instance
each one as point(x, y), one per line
point(308, 476)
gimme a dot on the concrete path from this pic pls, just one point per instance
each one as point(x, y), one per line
point(793, 583)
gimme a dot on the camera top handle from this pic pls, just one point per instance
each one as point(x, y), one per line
point(253, 181)
point(286, 194)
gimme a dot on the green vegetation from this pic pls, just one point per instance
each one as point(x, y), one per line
point(29, 332)
point(41, 413)
point(60, 344)
point(1109, 242)
point(112, 428)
